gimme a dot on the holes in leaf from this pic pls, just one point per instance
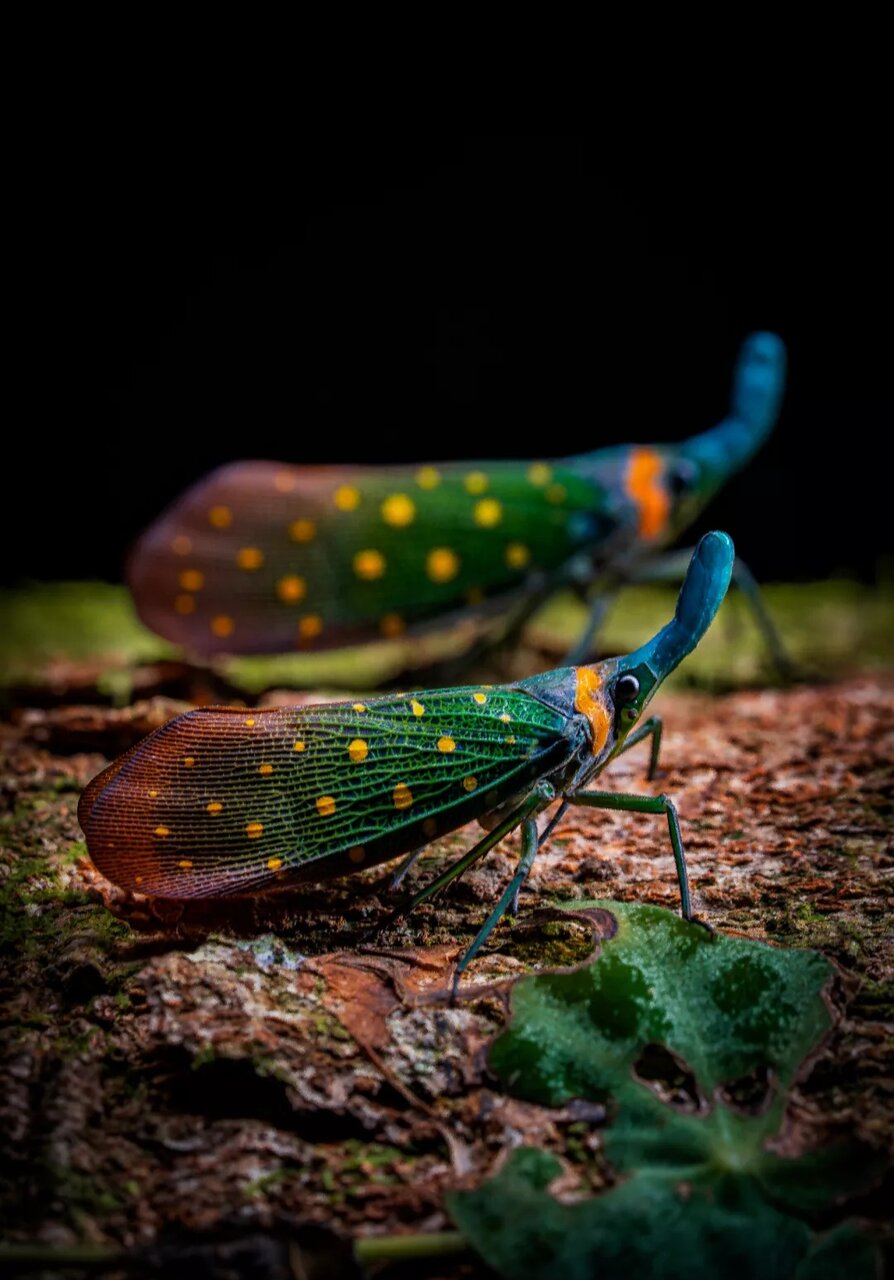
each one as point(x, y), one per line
point(669, 1078)
point(750, 1094)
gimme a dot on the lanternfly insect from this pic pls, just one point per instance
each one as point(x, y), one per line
point(223, 802)
point(264, 557)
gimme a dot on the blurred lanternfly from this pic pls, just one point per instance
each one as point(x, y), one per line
point(265, 557)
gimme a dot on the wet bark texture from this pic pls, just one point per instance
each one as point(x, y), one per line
point(276, 1061)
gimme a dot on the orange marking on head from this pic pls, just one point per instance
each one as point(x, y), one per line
point(643, 481)
point(588, 702)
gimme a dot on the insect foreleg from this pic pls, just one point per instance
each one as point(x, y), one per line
point(653, 726)
point(645, 804)
point(530, 845)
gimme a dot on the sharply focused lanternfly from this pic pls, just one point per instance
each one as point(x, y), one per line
point(223, 802)
point(265, 557)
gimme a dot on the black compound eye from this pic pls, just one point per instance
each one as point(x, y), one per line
point(682, 475)
point(626, 689)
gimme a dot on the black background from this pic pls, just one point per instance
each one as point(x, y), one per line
point(198, 298)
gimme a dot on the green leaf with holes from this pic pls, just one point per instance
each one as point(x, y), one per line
point(692, 1040)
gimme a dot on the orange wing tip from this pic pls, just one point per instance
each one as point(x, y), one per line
point(149, 825)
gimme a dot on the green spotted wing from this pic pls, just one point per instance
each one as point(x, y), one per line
point(261, 557)
point(222, 801)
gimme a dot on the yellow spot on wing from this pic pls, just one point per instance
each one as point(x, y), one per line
point(185, 864)
point(153, 793)
point(446, 745)
point(488, 512)
point(191, 580)
point(392, 625)
point(291, 589)
point(359, 706)
point(274, 864)
point(251, 722)
point(326, 806)
point(403, 796)
point(506, 717)
point(470, 783)
point(181, 545)
point(428, 477)
point(539, 473)
point(254, 829)
point(162, 831)
point(189, 761)
point(480, 698)
point(311, 625)
point(588, 702)
point(302, 530)
point(220, 517)
point(346, 497)
point(369, 564)
point(398, 510)
point(442, 564)
point(643, 480)
point(517, 555)
point(265, 769)
point(185, 604)
point(214, 807)
point(475, 482)
point(417, 707)
point(222, 626)
point(298, 746)
point(249, 558)
point(358, 750)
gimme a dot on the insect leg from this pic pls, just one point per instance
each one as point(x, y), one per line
point(751, 593)
point(448, 671)
point(672, 567)
point(645, 804)
point(541, 795)
point(397, 878)
point(544, 836)
point(653, 726)
point(582, 648)
point(530, 845)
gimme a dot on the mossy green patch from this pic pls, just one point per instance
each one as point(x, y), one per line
point(827, 627)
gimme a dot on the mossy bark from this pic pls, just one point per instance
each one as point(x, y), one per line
point(274, 1062)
